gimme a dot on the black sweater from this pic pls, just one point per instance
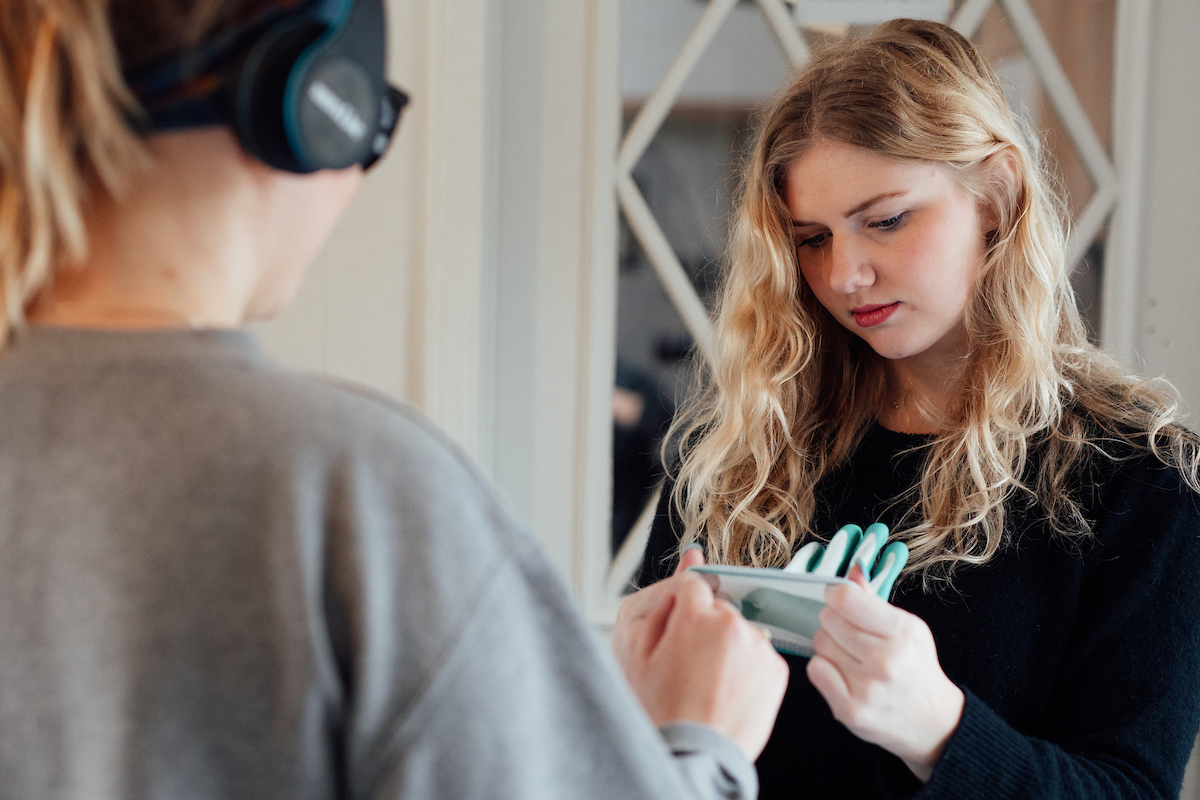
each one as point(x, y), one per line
point(1080, 659)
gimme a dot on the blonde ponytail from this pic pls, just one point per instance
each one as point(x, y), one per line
point(63, 133)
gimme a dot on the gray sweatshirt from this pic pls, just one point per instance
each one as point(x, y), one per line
point(220, 579)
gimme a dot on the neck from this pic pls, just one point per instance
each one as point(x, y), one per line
point(918, 391)
point(179, 248)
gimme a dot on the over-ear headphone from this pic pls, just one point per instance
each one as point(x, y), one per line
point(302, 84)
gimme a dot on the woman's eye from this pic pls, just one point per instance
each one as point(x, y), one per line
point(813, 241)
point(889, 223)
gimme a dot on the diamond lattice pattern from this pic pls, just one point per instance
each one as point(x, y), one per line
point(784, 23)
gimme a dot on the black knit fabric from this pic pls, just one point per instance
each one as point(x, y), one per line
point(1080, 659)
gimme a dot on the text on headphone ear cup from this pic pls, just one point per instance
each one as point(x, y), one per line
point(259, 88)
point(336, 111)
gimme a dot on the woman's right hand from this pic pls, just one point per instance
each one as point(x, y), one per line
point(877, 667)
point(691, 657)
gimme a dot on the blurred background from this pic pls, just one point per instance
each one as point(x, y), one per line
point(534, 263)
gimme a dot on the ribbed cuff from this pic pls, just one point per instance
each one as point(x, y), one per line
point(985, 757)
point(710, 759)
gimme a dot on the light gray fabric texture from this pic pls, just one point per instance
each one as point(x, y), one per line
point(221, 579)
point(709, 759)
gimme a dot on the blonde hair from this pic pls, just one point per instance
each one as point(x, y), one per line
point(65, 116)
point(792, 392)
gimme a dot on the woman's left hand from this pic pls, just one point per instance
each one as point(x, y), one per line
point(877, 667)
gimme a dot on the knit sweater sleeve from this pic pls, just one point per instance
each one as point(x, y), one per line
point(1127, 695)
point(462, 665)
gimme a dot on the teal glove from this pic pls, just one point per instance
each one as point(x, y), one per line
point(850, 546)
point(788, 605)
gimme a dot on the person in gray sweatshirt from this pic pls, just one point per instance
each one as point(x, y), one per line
point(222, 579)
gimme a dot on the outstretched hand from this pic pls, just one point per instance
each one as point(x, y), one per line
point(691, 657)
point(877, 667)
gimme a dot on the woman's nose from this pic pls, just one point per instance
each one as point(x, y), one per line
point(850, 268)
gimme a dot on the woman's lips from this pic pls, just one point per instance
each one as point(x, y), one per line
point(867, 316)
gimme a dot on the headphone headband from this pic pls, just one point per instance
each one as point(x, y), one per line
point(301, 83)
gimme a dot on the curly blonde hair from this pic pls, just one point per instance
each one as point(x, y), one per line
point(65, 114)
point(792, 392)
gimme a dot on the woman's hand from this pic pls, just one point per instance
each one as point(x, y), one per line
point(691, 657)
point(877, 667)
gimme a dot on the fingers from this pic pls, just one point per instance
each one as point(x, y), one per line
point(693, 556)
point(828, 680)
point(690, 655)
point(656, 598)
point(859, 577)
point(642, 617)
point(645, 602)
point(831, 646)
point(693, 595)
point(640, 621)
point(877, 668)
point(862, 609)
point(851, 642)
point(867, 628)
point(651, 600)
point(714, 667)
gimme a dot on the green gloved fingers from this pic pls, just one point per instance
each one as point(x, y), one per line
point(806, 558)
point(837, 554)
point(851, 545)
point(832, 561)
point(887, 569)
point(872, 541)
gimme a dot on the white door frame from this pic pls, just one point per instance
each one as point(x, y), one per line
point(512, 341)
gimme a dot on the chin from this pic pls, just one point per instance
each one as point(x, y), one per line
point(887, 347)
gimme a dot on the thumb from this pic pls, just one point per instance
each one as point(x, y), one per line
point(857, 576)
point(693, 556)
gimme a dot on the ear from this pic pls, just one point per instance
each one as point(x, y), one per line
point(1000, 175)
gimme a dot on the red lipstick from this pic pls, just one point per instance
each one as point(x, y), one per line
point(868, 316)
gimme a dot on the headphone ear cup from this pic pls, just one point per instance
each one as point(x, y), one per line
point(334, 112)
point(259, 85)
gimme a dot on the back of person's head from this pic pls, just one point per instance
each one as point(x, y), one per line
point(299, 84)
point(67, 118)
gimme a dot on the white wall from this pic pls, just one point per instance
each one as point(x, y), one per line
point(353, 314)
point(1168, 329)
point(475, 274)
point(1168, 340)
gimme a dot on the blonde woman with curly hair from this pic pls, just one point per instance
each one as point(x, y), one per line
point(221, 579)
point(898, 341)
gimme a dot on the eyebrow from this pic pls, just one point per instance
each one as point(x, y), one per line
point(858, 208)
